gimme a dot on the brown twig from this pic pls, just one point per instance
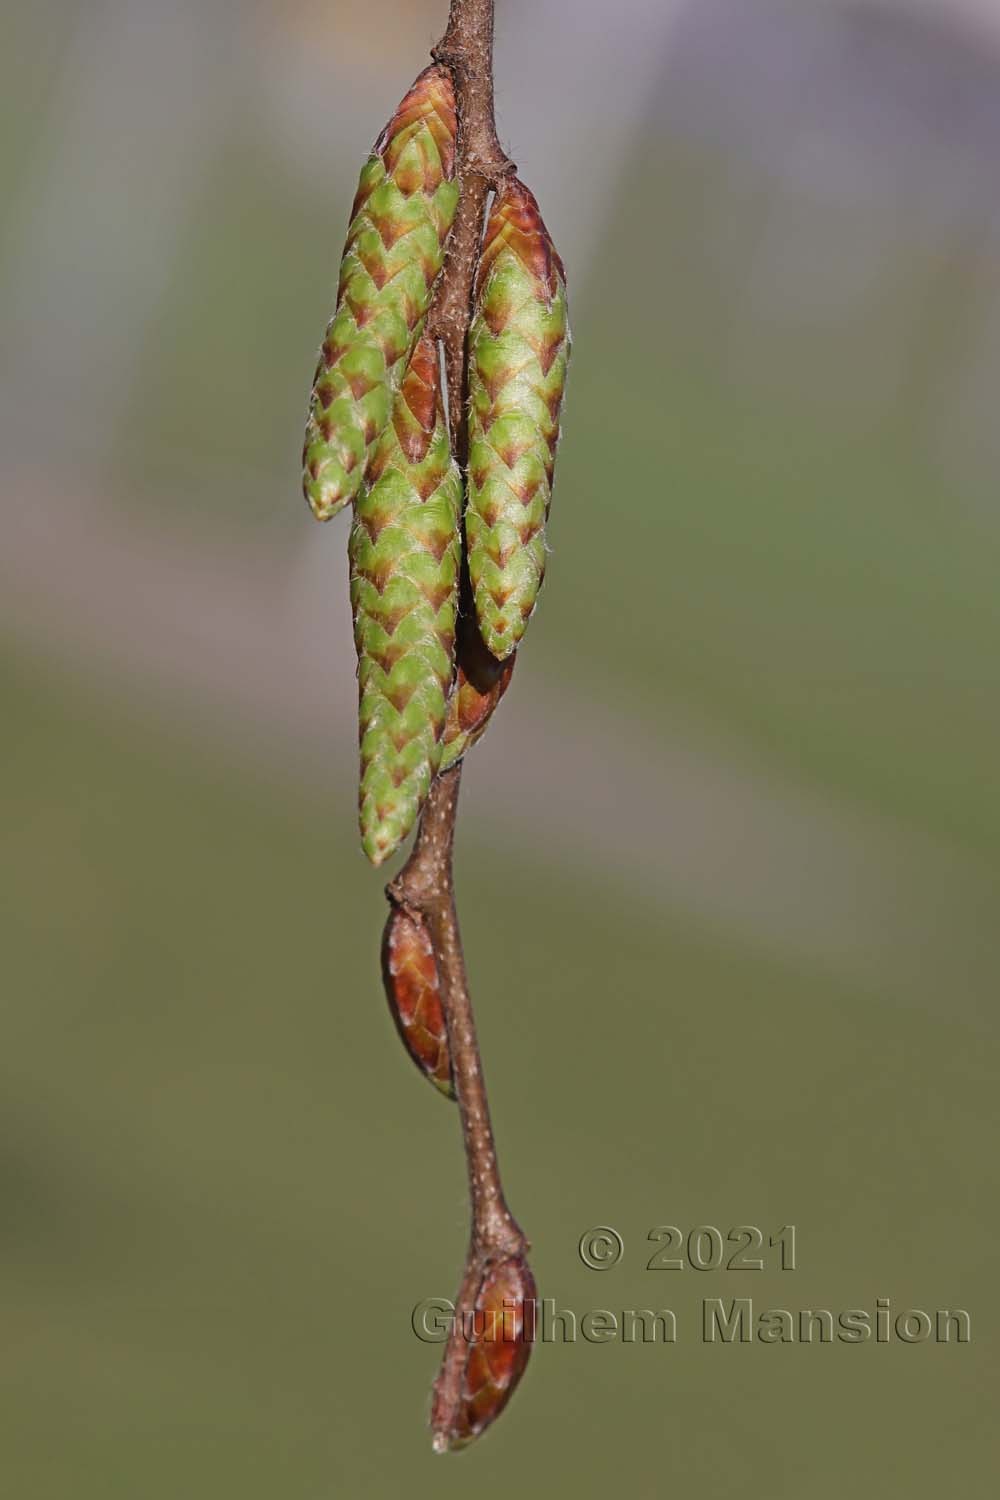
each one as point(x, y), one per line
point(425, 885)
point(467, 50)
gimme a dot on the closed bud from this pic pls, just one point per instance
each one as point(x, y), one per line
point(413, 991)
point(498, 1337)
point(480, 683)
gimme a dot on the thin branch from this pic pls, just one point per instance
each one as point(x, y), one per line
point(425, 885)
point(467, 50)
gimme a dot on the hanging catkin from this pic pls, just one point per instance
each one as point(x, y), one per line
point(518, 354)
point(402, 215)
point(405, 552)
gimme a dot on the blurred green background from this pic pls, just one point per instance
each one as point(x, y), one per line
point(728, 862)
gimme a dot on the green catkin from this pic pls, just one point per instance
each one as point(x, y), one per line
point(402, 215)
point(518, 354)
point(405, 552)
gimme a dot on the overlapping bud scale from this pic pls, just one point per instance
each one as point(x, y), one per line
point(480, 683)
point(402, 214)
point(518, 354)
point(413, 991)
point(499, 1339)
point(405, 553)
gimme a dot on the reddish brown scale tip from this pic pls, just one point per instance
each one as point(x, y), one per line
point(419, 403)
point(413, 991)
point(499, 1334)
point(431, 100)
point(473, 708)
point(514, 448)
point(480, 683)
point(516, 223)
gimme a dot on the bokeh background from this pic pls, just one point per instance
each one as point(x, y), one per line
point(728, 859)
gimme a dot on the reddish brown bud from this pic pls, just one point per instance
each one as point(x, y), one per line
point(497, 1337)
point(480, 683)
point(413, 991)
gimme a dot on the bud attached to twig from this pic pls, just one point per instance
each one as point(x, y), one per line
point(498, 1335)
point(402, 215)
point(518, 353)
point(480, 683)
point(413, 991)
point(405, 551)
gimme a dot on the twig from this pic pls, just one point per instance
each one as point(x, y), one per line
point(467, 50)
point(425, 885)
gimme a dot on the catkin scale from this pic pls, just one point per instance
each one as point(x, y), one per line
point(518, 355)
point(402, 215)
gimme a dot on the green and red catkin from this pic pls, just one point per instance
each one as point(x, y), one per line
point(405, 555)
point(402, 215)
point(518, 354)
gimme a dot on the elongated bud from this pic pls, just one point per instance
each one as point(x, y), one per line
point(414, 994)
point(405, 549)
point(402, 215)
point(480, 683)
point(497, 1345)
point(518, 353)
